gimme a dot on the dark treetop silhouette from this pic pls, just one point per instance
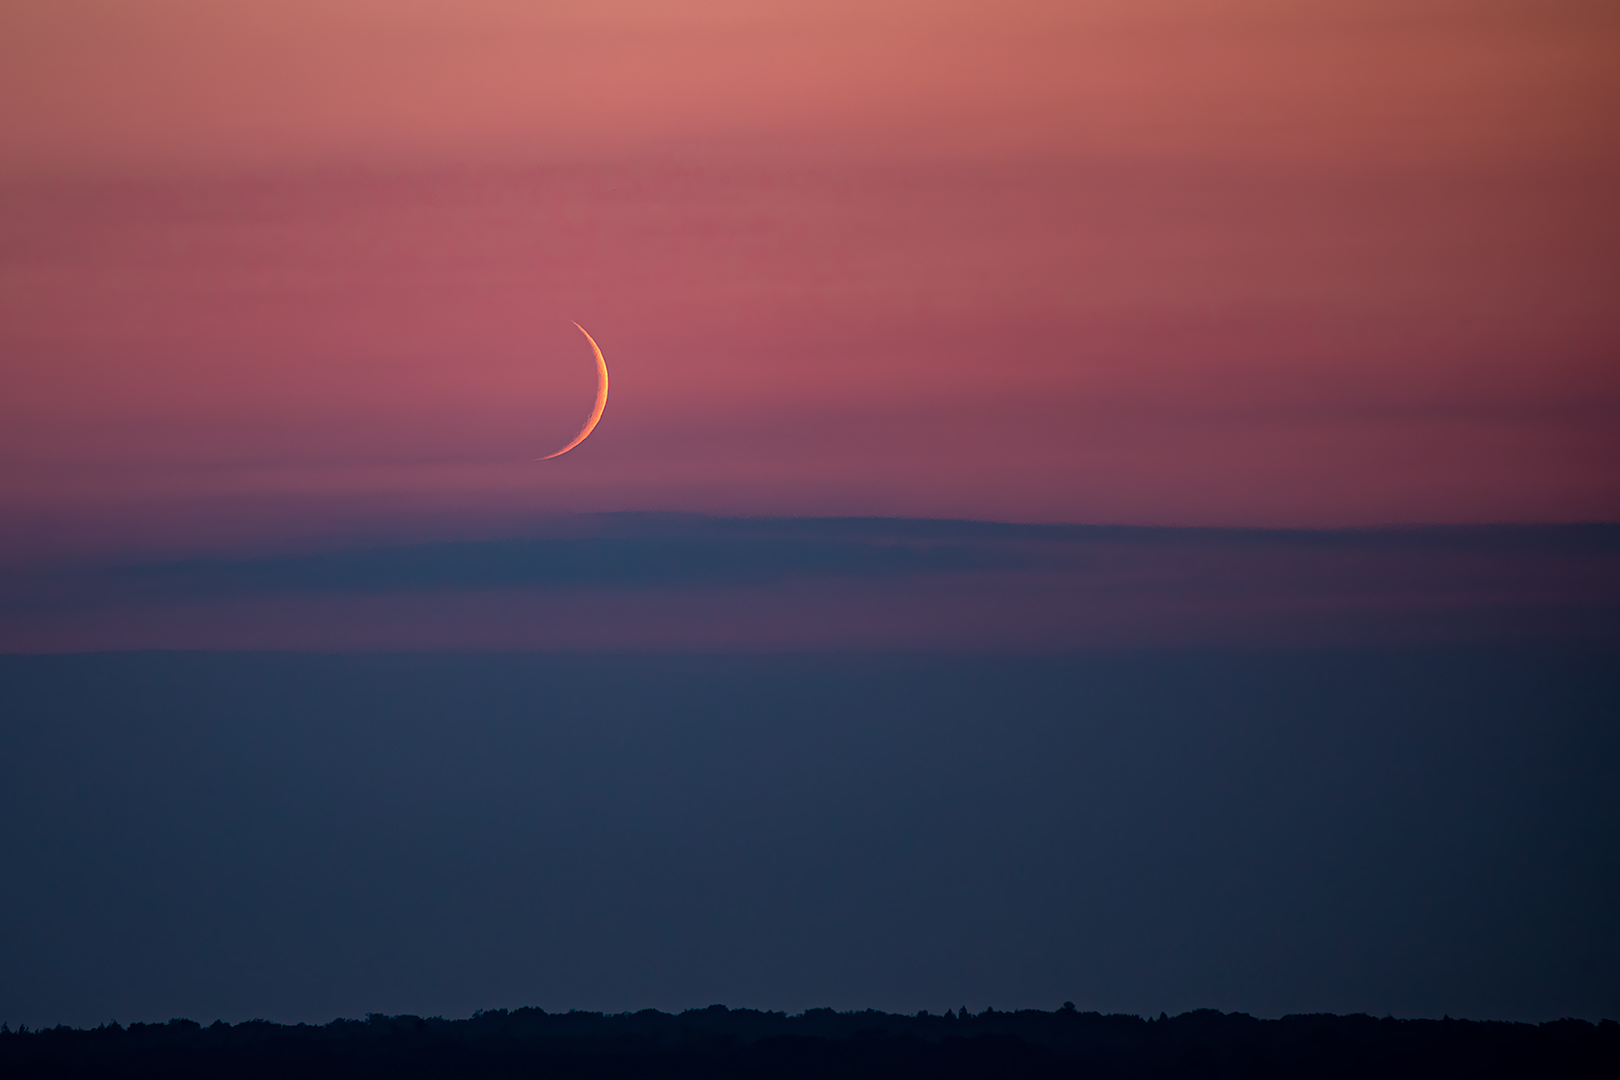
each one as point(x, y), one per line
point(821, 1042)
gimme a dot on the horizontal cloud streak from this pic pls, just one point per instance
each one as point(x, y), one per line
point(568, 562)
point(683, 581)
point(677, 550)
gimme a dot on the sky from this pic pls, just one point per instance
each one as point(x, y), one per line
point(1256, 355)
point(1175, 264)
point(297, 836)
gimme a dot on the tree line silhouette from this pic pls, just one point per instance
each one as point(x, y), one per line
point(735, 1043)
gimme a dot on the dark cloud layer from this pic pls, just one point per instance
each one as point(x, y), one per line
point(680, 581)
point(654, 550)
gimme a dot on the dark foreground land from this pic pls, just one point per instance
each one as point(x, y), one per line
point(721, 1042)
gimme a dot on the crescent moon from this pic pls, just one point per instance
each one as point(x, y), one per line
point(601, 400)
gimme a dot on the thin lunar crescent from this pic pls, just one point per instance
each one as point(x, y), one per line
point(601, 400)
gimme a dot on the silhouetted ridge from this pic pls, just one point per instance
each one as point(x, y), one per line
point(722, 1042)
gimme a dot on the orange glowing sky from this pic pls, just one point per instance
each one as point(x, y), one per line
point(1162, 262)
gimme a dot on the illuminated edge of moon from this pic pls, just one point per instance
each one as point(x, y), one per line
point(601, 399)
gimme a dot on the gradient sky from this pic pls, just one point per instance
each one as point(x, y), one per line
point(1102, 501)
point(1161, 263)
point(296, 837)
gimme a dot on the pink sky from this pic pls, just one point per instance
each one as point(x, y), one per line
point(1179, 263)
